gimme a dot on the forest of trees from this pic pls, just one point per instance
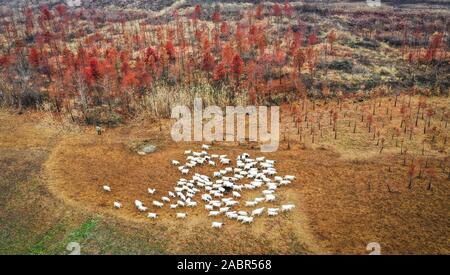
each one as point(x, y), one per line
point(80, 62)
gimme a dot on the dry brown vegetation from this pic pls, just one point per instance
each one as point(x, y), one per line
point(347, 193)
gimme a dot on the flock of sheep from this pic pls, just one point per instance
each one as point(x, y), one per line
point(221, 192)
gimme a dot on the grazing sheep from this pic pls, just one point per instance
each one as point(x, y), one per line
point(171, 194)
point(258, 212)
point(225, 161)
point(206, 197)
point(289, 177)
point(217, 225)
point(107, 188)
point(181, 203)
point(181, 215)
point(214, 213)
point(158, 204)
point(138, 203)
point(209, 207)
point(192, 204)
point(231, 215)
point(272, 214)
point(185, 171)
point(175, 162)
point(205, 147)
point(231, 203)
point(285, 182)
point(270, 198)
point(152, 215)
point(165, 199)
point(224, 209)
point(173, 206)
point(142, 208)
point(217, 174)
point(247, 220)
point(238, 187)
point(250, 203)
point(273, 209)
point(243, 213)
point(259, 199)
point(287, 207)
point(212, 163)
point(151, 191)
point(117, 205)
point(236, 194)
point(187, 152)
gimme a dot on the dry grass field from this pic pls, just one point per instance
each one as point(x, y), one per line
point(347, 193)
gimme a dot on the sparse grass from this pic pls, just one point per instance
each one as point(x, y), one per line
point(343, 186)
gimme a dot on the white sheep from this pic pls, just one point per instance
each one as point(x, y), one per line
point(289, 177)
point(270, 198)
point(206, 197)
point(151, 191)
point(259, 199)
point(231, 203)
point(152, 215)
point(187, 152)
point(205, 147)
point(250, 203)
point(212, 163)
point(158, 204)
point(243, 213)
point(165, 199)
point(247, 220)
point(236, 194)
point(138, 203)
point(258, 212)
point(224, 209)
point(107, 188)
point(175, 162)
point(209, 207)
point(287, 207)
point(117, 205)
point(181, 215)
point(217, 225)
point(142, 208)
point(225, 161)
point(185, 171)
point(192, 204)
point(278, 178)
point(173, 206)
point(214, 213)
point(285, 182)
point(181, 203)
point(232, 215)
point(171, 194)
point(272, 214)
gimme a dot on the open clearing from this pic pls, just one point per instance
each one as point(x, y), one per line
point(51, 195)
